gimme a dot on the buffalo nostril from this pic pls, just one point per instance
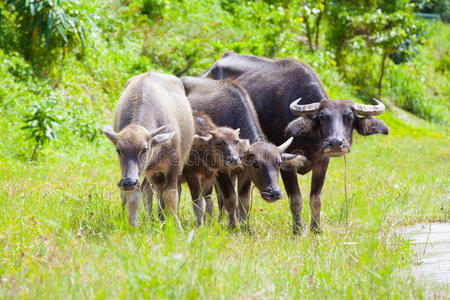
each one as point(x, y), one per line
point(128, 182)
point(233, 160)
point(334, 142)
point(277, 193)
point(272, 194)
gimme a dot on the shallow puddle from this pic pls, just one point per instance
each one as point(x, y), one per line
point(432, 242)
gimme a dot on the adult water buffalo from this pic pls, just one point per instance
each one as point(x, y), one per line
point(229, 105)
point(153, 132)
point(324, 128)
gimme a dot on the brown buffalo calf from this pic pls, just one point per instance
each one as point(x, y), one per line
point(214, 149)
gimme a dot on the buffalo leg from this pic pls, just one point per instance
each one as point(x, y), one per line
point(207, 195)
point(179, 190)
point(133, 201)
point(198, 203)
point(147, 196)
point(170, 195)
point(295, 198)
point(123, 197)
point(229, 197)
point(161, 204)
point(244, 203)
point(317, 181)
point(219, 201)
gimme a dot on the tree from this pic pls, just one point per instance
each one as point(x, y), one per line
point(312, 13)
point(45, 27)
point(386, 27)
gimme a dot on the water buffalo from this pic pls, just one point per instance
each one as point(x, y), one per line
point(213, 149)
point(229, 105)
point(153, 132)
point(324, 128)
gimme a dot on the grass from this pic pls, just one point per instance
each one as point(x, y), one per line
point(62, 234)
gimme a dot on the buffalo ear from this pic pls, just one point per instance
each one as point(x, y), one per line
point(110, 134)
point(302, 126)
point(216, 72)
point(289, 161)
point(201, 140)
point(244, 145)
point(162, 138)
point(370, 125)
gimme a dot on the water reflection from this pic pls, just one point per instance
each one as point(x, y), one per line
point(432, 242)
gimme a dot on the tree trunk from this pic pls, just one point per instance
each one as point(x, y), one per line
point(35, 152)
point(319, 18)
point(316, 42)
point(308, 33)
point(383, 65)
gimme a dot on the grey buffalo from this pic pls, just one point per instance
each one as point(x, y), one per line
point(153, 132)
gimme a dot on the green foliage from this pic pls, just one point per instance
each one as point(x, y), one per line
point(42, 122)
point(154, 9)
point(44, 28)
point(441, 7)
point(385, 27)
point(312, 13)
point(84, 123)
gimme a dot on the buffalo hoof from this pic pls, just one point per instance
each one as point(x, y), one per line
point(297, 228)
point(233, 228)
point(315, 229)
point(246, 228)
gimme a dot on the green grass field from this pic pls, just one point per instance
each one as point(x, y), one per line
point(62, 234)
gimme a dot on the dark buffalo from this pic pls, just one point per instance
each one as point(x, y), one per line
point(229, 105)
point(324, 128)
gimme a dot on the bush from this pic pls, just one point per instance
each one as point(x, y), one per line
point(41, 122)
point(131, 37)
point(154, 9)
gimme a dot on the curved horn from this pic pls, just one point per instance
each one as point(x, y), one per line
point(304, 110)
point(369, 110)
point(285, 145)
point(156, 131)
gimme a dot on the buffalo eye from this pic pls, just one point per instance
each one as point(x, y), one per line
point(219, 142)
point(256, 165)
point(322, 118)
point(236, 142)
point(347, 117)
point(118, 151)
point(144, 151)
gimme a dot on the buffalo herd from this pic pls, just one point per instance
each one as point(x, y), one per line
point(246, 119)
